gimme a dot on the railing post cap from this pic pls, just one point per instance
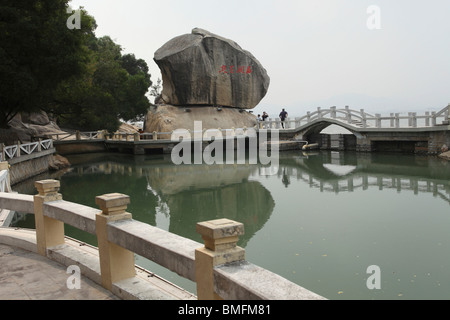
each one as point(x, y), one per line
point(47, 186)
point(4, 165)
point(220, 229)
point(112, 203)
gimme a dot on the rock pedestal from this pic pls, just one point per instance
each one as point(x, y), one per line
point(166, 118)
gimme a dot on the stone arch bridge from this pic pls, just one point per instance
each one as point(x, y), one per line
point(427, 133)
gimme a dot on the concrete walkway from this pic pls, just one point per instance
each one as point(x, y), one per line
point(25, 275)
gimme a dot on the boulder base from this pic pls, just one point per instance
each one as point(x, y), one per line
point(167, 118)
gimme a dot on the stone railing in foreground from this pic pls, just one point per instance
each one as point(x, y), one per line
point(218, 267)
point(5, 184)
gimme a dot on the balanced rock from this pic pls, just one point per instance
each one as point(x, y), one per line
point(202, 68)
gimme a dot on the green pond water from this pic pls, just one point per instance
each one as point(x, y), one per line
point(319, 219)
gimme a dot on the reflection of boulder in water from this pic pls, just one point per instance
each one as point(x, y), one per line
point(247, 202)
point(172, 179)
point(196, 193)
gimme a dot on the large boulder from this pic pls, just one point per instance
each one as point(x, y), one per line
point(26, 126)
point(202, 68)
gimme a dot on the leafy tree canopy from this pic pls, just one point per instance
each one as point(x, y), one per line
point(84, 81)
point(37, 51)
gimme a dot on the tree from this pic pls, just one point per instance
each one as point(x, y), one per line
point(37, 53)
point(156, 89)
point(113, 87)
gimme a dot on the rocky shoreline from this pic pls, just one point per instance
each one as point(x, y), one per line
point(445, 155)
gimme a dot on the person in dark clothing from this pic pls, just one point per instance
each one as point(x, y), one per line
point(283, 116)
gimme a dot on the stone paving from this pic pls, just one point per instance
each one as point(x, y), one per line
point(25, 275)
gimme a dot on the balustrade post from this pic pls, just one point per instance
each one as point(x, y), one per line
point(155, 135)
point(333, 112)
point(392, 120)
point(221, 237)
point(397, 120)
point(49, 232)
point(433, 118)
point(414, 119)
point(77, 135)
point(377, 120)
point(363, 118)
point(447, 119)
point(116, 263)
point(427, 118)
point(4, 165)
point(2, 145)
point(348, 114)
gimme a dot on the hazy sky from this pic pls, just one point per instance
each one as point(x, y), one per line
point(318, 53)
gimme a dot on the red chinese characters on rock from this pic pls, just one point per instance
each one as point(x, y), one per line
point(232, 69)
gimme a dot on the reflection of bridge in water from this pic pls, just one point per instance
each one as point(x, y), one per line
point(327, 171)
point(338, 174)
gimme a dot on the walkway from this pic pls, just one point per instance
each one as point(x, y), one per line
point(25, 275)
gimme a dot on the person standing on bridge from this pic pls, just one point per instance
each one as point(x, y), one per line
point(283, 116)
point(264, 116)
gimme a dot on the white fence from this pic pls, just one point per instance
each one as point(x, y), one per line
point(4, 181)
point(15, 151)
point(362, 119)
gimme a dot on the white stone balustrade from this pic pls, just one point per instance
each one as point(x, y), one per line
point(227, 275)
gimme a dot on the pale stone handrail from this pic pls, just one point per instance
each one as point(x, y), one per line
point(139, 136)
point(362, 119)
point(5, 185)
point(219, 267)
point(16, 202)
point(15, 151)
point(4, 181)
point(77, 135)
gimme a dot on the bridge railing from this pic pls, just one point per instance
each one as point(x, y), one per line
point(15, 151)
point(205, 134)
point(218, 267)
point(77, 135)
point(362, 119)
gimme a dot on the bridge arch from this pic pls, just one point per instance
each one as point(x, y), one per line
point(312, 132)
